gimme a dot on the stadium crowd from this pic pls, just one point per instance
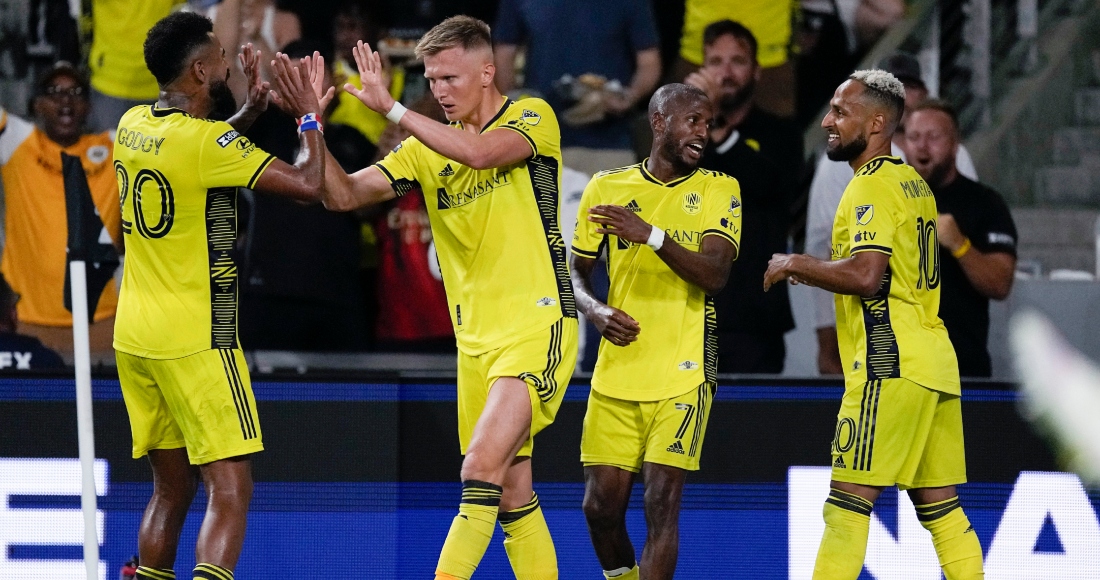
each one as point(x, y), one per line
point(368, 280)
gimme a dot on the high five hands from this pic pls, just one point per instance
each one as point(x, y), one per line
point(294, 89)
point(375, 93)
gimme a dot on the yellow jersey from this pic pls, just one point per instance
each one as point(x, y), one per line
point(117, 55)
point(769, 21)
point(888, 208)
point(677, 348)
point(496, 230)
point(36, 227)
point(177, 182)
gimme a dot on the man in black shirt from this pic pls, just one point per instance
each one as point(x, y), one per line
point(975, 228)
point(764, 154)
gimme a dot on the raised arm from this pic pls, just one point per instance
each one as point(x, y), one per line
point(256, 93)
point(990, 273)
point(858, 275)
point(305, 180)
point(487, 150)
point(709, 268)
point(618, 327)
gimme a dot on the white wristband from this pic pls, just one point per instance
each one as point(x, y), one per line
point(396, 112)
point(656, 238)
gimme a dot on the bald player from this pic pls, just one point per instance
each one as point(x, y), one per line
point(671, 232)
point(900, 420)
point(491, 177)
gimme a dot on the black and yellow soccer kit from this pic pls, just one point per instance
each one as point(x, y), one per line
point(650, 399)
point(900, 420)
point(183, 375)
point(503, 263)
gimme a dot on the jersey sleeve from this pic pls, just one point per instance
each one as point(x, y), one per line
point(13, 132)
point(536, 121)
point(999, 233)
point(229, 159)
point(874, 214)
point(399, 166)
point(723, 212)
point(586, 242)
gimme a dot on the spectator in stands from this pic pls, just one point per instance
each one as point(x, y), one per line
point(352, 22)
point(763, 153)
point(120, 80)
point(830, 179)
point(770, 22)
point(36, 228)
point(412, 305)
point(730, 76)
point(597, 45)
point(300, 287)
point(19, 352)
point(975, 229)
point(260, 22)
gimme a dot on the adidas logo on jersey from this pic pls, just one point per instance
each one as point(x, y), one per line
point(634, 207)
point(447, 171)
point(839, 462)
point(676, 447)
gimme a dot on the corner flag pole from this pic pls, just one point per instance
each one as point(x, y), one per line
point(84, 423)
point(84, 228)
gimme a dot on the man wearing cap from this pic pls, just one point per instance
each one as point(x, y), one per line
point(830, 179)
point(35, 224)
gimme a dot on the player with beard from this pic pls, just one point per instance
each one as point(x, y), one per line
point(183, 374)
point(671, 232)
point(900, 420)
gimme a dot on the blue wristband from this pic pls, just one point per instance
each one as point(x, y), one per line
point(309, 122)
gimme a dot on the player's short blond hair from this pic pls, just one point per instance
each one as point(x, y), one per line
point(465, 31)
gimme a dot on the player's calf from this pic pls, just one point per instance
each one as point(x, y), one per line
point(957, 545)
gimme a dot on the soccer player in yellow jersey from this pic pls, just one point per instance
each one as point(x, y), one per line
point(900, 420)
point(671, 233)
point(491, 179)
point(183, 374)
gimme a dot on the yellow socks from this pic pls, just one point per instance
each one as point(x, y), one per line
point(471, 530)
point(956, 543)
point(211, 572)
point(146, 573)
point(844, 545)
point(622, 574)
point(528, 543)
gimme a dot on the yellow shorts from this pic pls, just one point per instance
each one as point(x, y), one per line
point(625, 433)
point(544, 360)
point(894, 431)
point(202, 402)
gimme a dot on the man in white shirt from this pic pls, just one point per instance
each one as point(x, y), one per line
point(830, 179)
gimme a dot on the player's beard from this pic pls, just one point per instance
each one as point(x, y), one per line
point(849, 151)
point(673, 150)
point(222, 98)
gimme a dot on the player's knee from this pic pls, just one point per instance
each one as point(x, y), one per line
point(478, 467)
point(600, 513)
point(176, 491)
point(662, 504)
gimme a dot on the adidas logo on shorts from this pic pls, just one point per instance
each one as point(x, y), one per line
point(676, 448)
point(447, 171)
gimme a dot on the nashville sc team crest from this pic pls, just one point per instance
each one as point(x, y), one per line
point(530, 117)
point(693, 202)
point(864, 213)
